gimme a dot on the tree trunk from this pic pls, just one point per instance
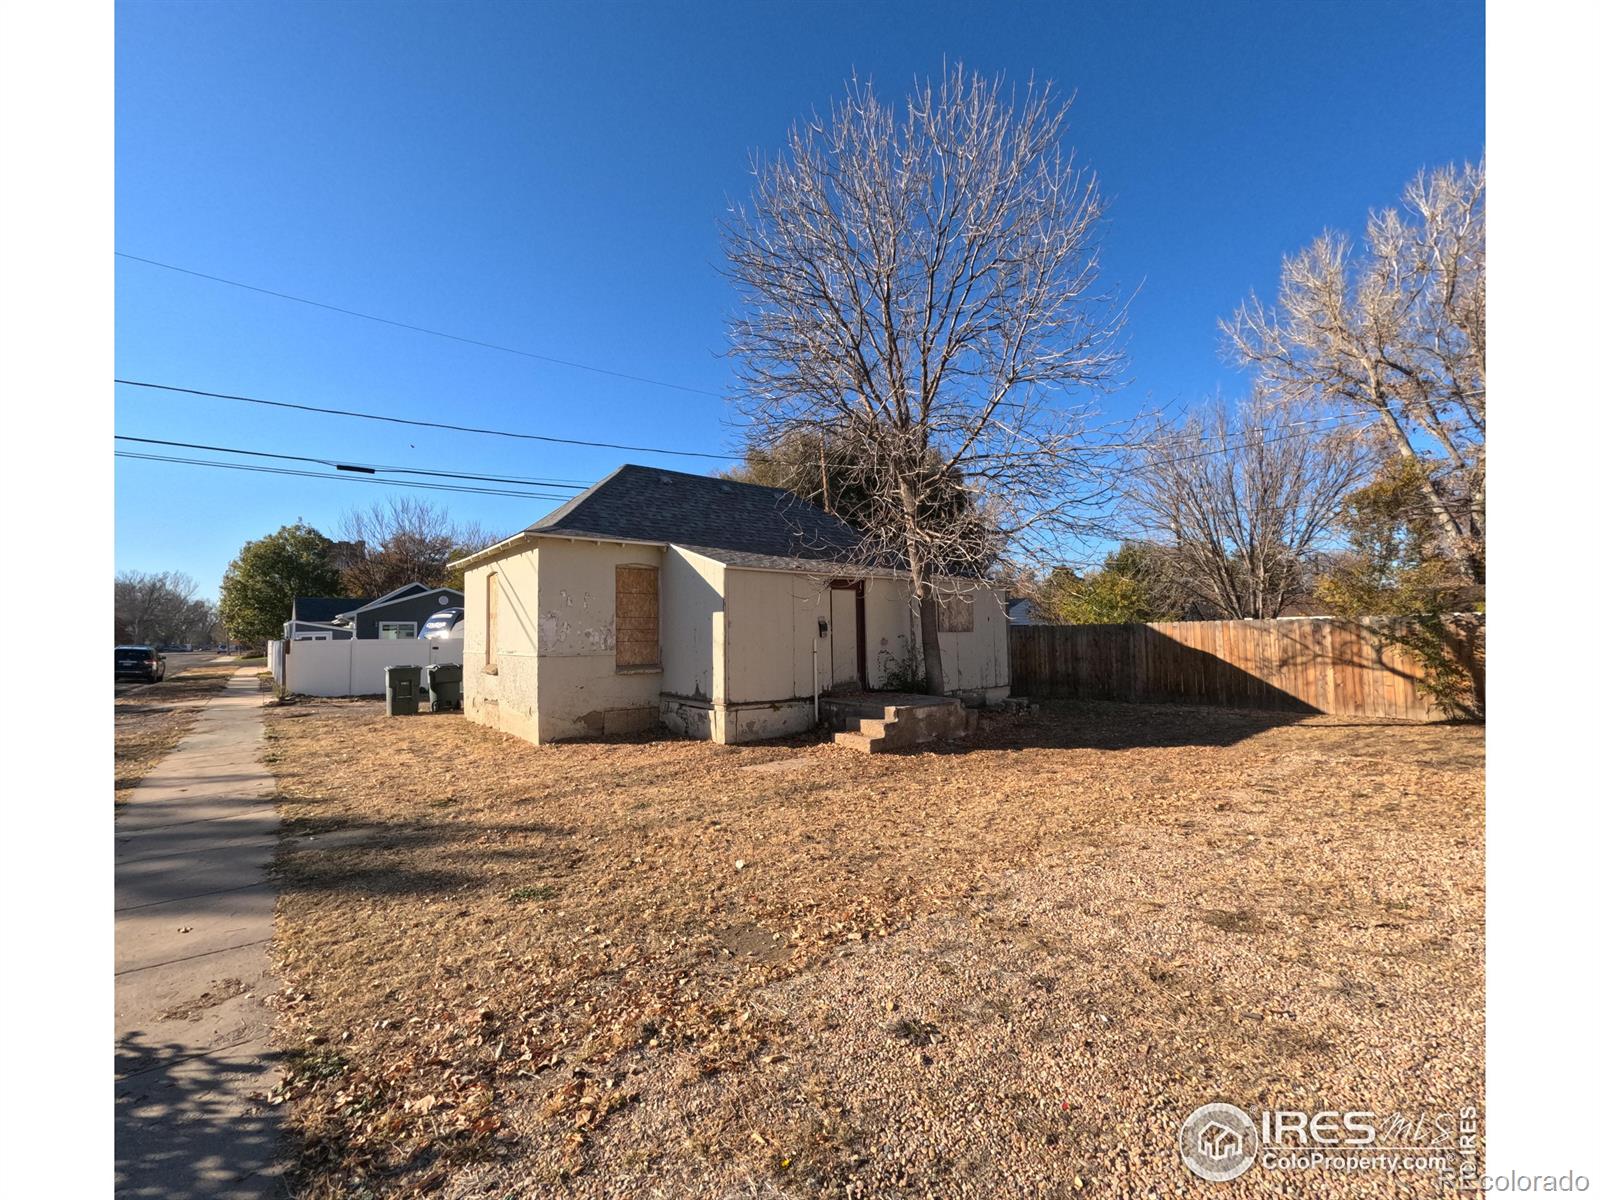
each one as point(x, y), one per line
point(1457, 541)
point(927, 600)
point(933, 663)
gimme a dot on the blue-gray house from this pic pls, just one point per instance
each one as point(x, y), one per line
point(398, 615)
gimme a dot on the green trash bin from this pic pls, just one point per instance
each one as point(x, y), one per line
point(444, 685)
point(401, 687)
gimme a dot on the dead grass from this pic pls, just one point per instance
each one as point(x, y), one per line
point(151, 720)
point(601, 967)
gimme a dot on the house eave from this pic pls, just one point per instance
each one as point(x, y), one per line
point(820, 568)
point(489, 553)
point(395, 597)
point(501, 549)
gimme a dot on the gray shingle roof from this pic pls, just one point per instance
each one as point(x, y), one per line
point(646, 504)
point(323, 608)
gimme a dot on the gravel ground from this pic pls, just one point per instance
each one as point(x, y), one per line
point(1009, 969)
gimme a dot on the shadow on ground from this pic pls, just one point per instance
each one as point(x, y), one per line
point(180, 1135)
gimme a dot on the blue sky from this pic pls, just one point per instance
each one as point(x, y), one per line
point(550, 176)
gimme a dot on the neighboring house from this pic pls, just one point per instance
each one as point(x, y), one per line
point(715, 607)
point(1020, 611)
point(399, 615)
point(314, 619)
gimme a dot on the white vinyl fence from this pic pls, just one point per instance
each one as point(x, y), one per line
point(355, 666)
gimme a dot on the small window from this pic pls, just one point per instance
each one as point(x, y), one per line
point(396, 630)
point(491, 621)
point(955, 614)
point(638, 618)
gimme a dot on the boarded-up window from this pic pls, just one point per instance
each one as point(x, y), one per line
point(491, 620)
point(638, 617)
point(955, 614)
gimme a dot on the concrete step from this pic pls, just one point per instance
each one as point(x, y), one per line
point(870, 726)
point(894, 721)
point(861, 742)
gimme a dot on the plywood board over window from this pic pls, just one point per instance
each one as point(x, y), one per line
point(638, 618)
point(955, 614)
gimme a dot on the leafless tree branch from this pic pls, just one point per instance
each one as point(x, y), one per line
point(1240, 501)
point(1400, 333)
point(919, 291)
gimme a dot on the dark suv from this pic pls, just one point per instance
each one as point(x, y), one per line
point(141, 662)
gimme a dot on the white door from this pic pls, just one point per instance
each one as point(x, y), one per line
point(842, 636)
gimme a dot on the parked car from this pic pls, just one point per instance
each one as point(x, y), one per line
point(446, 625)
point(141, 662)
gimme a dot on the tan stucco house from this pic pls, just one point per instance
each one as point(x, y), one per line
point(716, 608)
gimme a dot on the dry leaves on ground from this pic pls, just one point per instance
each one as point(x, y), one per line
point(987, 969)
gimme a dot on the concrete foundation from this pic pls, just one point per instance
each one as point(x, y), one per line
point(735, 723)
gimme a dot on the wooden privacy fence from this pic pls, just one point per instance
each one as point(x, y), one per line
point(1297, 664)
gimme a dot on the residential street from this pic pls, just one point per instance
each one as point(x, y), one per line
point(194, 913)
point(177, 663)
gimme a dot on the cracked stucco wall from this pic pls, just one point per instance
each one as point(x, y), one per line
point(580, 691)
point(980, 660)
point(691, 599)
point(771, 621)
point(735, 644)
point(506, 699)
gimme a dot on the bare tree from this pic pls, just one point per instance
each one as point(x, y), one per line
point(1241, 501)
point(397, 541)
point(919, 290)
point(160, 607)
point(1397, 334)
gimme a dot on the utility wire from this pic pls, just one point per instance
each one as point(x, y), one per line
point(350, 312)
point(439, 333)
point(364, 468)
point(1356, 423)
point(408, 483)
point(344, 412)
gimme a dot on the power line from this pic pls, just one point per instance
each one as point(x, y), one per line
point(1357, 423)
point(365, 468)
point(344, 412)
point(406, 483)
point(439, 333)
point(250, 287)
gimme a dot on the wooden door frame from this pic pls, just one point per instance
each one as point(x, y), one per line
point(859, 587)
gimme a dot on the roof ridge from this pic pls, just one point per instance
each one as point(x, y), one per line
point(659, 504)
point(768, 487)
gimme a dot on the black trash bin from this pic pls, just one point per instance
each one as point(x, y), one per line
point(444, 685)
point(401, 687)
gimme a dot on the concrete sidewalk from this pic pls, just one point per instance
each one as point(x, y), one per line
point(194, 922)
